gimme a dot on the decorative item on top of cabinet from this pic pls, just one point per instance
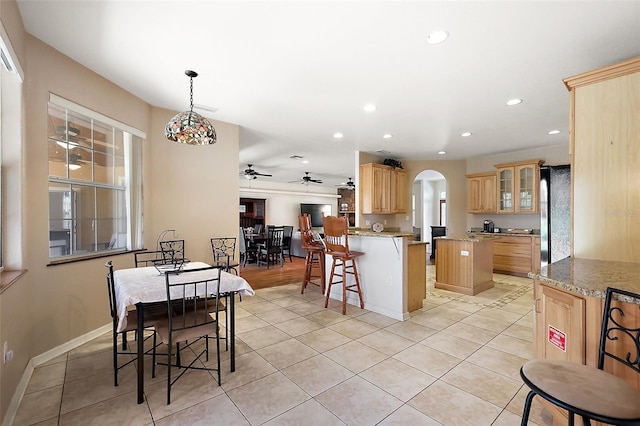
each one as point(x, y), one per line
point(481, 193)
point(518, 186)
point(382, 189)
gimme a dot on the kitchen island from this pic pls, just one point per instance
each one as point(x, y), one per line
point(464, 264)
point(385, 276)
point(568, 304)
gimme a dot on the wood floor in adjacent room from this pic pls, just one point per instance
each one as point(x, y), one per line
point(292, 272)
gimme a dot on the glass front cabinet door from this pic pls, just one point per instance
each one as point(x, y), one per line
point(518, 186)
point(505, 192)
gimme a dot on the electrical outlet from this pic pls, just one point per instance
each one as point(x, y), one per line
point(367, 222)
point(464, 253)
point(385, 221)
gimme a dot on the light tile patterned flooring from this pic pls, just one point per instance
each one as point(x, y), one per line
point(455, 362)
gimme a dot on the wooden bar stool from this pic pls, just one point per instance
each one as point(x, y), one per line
point(314, 255)
point(336, 238)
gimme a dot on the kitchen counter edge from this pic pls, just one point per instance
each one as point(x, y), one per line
point(591, 278)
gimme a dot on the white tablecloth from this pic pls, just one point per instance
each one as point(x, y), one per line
point(147, 285)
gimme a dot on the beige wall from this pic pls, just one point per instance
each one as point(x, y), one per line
point(191, 189)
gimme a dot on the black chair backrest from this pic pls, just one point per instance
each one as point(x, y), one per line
point(242, 241)
point(172, 251)
point(286, 235)
point(111, 289)
point(257, 228)
point(274, 236)
point(148, 258)
point(191, 299)
point(223, 248)
point(615, 326)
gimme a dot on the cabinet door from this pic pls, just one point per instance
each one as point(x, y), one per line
point(488, 194)
point(381, 190)
point(559, 325)
point(526, 190)
point(398, 191)
point(474, 194)
point(505, 190)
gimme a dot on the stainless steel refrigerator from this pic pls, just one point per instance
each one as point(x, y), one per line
point(555, 213)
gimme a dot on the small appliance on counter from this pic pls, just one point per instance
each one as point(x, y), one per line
point(488, 226)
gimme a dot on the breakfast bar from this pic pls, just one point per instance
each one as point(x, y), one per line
point(385, 276)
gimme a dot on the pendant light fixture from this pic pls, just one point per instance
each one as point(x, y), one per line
point(190, 127)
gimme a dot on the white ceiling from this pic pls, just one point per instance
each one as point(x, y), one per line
point(291, 74)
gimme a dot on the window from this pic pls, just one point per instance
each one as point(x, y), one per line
point(94, 182)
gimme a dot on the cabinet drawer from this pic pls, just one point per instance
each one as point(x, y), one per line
point(515, 250)
point(511, 263)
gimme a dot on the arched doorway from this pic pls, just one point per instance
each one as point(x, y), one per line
point(429, 204)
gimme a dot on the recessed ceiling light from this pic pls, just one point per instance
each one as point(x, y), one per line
point(512, 102)
point(437, 37)
point(305, 161)
point(338, 135)
point(387, 136)
point(465, 134)
point(442, 152)
point(554, 132)
point(369, 107)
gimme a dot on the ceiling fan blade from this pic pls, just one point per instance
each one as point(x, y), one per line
point(262, 174)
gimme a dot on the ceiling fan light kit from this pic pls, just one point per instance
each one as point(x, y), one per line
point(190, 127)
point(249, 173)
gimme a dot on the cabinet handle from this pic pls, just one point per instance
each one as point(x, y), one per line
point(537, 306)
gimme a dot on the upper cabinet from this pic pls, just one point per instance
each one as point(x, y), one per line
point(398, 191)
point(481, 193)
point(382, 189)
point(605, 162)
point(518, 187)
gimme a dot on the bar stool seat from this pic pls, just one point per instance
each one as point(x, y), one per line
point(344, 260)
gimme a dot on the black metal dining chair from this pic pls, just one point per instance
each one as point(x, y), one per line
point(148, 258)
point(224, 252)
point(132, 322)
point(192, 315)
point(173, 251)
point(589, 392)
point(247, 249)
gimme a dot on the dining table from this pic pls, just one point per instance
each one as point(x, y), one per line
point(146, 286)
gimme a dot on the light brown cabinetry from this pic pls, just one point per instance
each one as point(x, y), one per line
point(398, 191)
point(416, 275)
point(481, 193)
point(517, 255)
point(518, 187)
point(559, 324)
point(605, 162)
point(382, 189)
point(464, 265)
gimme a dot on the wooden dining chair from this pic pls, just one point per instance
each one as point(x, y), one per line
point(272, 248)
point(336, 240)
point(590, 392)
point(287, 235)
point(189, 319)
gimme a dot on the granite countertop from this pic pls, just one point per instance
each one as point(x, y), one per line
point(510, 234)
point(474, 238)
point(591, 277)
point(383, 234)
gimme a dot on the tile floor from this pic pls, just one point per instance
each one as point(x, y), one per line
point(455, 362)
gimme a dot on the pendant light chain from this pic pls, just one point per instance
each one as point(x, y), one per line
point(190, 98)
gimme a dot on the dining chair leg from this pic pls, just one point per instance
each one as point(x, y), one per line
point(527, 408)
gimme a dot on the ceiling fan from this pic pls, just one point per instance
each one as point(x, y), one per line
point(350, 184)
point(250, 173)
point(306, 179)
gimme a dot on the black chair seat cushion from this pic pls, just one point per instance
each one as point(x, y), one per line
point(581, 387)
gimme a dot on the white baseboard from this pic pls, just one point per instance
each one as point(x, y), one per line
point(41, 359)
